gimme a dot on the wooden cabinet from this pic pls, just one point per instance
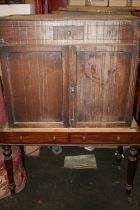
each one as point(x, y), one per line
point(69, 71)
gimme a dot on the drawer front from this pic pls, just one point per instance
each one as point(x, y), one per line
point(25, 35)
point(34, 138)
point(112, 32)
point(46, 138)
point(62, 138)
point(68, 33)
point(101, 138)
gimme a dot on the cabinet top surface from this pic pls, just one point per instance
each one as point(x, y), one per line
point(56, 17)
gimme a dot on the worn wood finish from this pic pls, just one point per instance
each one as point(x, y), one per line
point(114, 84)
point(63, 71)
point(65, 75)
point(37, 101)
point(36, 30)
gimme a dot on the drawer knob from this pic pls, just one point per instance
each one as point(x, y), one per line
point(20, 138)
point(118, 138)
point(54, 138)
point(83, 138)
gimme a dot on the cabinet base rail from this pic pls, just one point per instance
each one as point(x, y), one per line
point(70, 136)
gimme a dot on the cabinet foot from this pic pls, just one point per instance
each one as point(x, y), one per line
point(132, 166)
point(7, 151)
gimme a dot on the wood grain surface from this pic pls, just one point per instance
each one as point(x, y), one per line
point(63, 71)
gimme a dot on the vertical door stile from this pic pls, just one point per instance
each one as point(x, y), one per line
point(65, 67)
point(7, 90)
point(134, 62)
point(72, 87)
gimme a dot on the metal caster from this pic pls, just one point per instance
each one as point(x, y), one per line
point(56, 150)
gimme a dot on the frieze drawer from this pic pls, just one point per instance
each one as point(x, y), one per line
point(35, 137)
point(25, 35)
point(68, 32)
point(116, 32)
point(88, 138)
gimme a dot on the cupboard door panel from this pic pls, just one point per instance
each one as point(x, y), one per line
point(102, 80)
point(37, 88)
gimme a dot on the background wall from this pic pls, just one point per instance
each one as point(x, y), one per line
point(55, 4)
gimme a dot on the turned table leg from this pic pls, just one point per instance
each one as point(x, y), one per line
point(7, 151)
point(132, 165)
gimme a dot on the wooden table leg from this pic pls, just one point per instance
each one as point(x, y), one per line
point(7, 151)
point(132, 166)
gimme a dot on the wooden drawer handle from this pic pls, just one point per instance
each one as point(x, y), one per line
point(84, 138)
point(21, 138)
point(118, 138)
point(54, 139)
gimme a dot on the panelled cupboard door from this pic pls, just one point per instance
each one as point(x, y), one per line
point(36, 82)
point(102, 83)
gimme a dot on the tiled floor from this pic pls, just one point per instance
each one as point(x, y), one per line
point(52, 187)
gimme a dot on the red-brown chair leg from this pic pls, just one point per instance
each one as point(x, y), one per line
point(132, 166)
point(7, 151)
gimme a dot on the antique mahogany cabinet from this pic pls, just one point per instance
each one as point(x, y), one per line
point(69, 79)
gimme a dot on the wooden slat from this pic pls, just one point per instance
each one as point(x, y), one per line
point(83, 8)
point(69, 130)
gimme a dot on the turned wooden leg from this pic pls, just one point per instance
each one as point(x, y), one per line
point(132, 165)
point(9, 167)
point(119, 154)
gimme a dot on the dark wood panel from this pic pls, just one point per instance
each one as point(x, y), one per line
point(37, 88)
point(104, 81)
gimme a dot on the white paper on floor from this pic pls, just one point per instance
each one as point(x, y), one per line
point(80, 162)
